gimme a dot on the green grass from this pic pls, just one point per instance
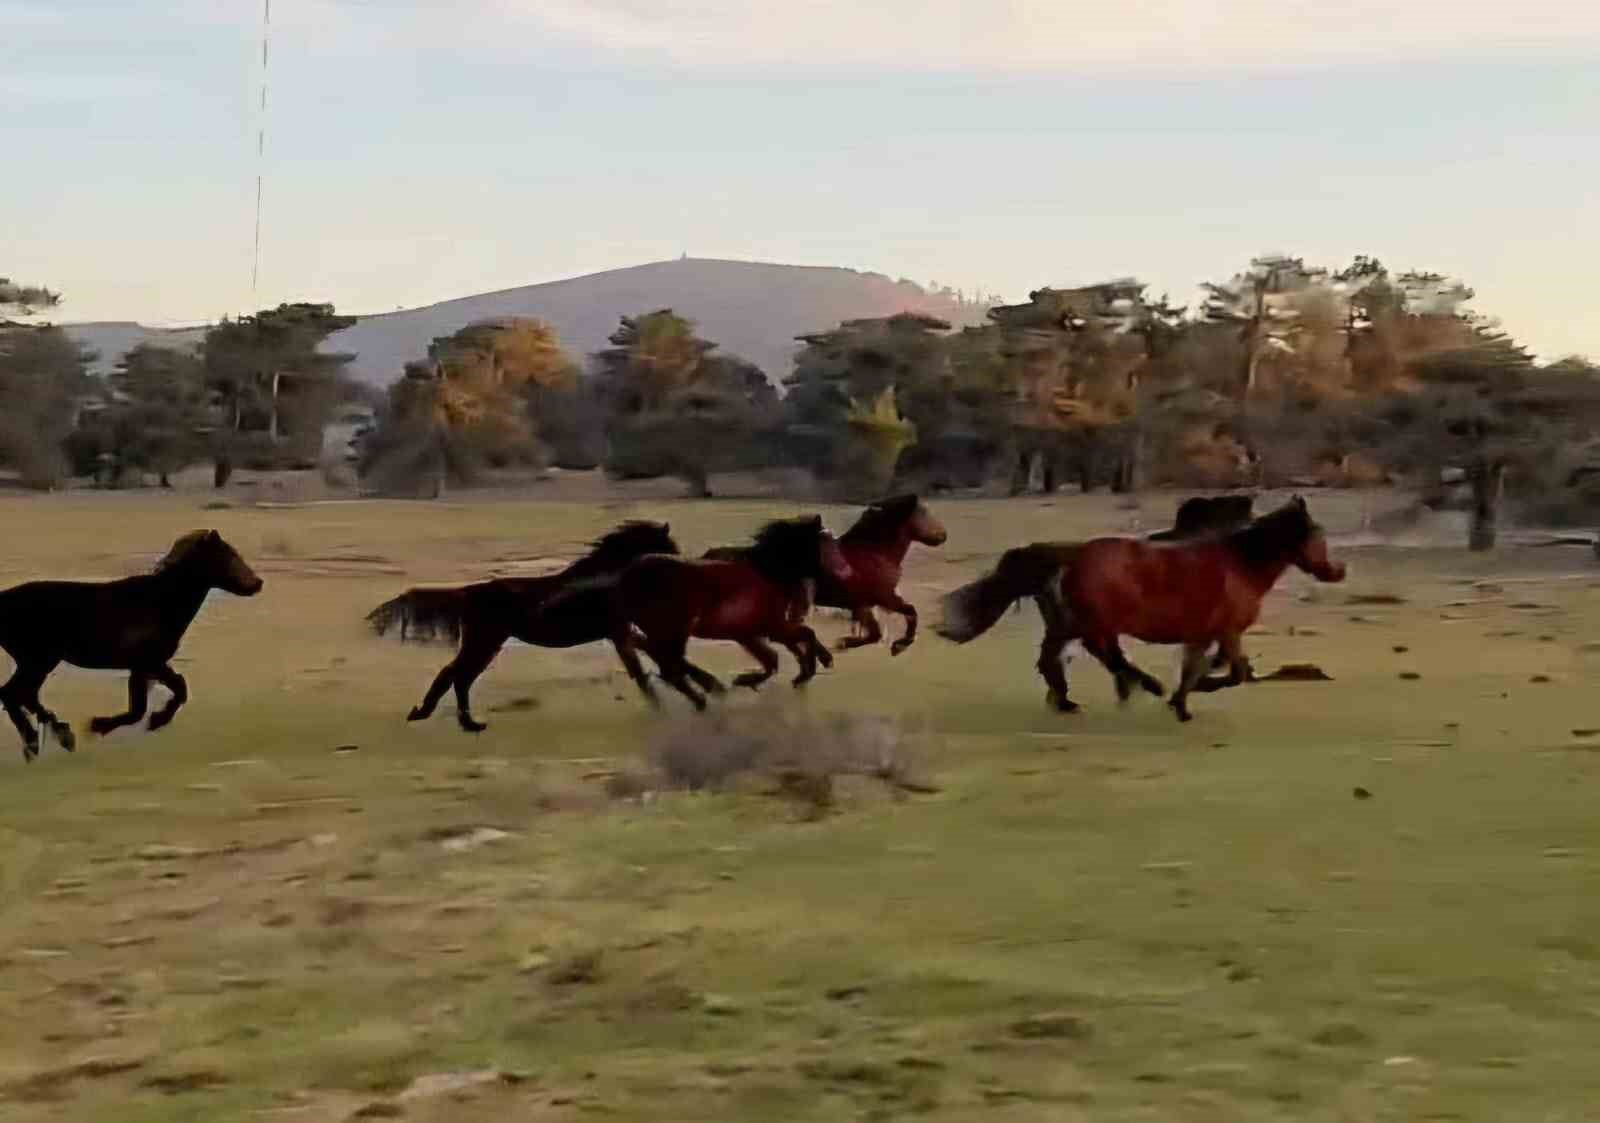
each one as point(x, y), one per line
point(1237, 935)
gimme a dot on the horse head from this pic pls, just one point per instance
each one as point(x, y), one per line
point(925, 527)
point(204, 556)
point(1312, 554)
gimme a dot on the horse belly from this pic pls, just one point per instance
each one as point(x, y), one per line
point(739, 616)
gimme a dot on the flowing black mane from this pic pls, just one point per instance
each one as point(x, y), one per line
point(882, 519)
point(1275, 536)
point(630, 540)
point(787, 551)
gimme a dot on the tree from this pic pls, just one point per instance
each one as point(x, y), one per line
point(471, 403)
point(675, 408)
point(160, 412)
point(267, 369)
point(43, 380)
point(870, 390)
point(1086, 364)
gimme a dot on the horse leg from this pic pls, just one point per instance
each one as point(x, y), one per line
point(871, 631)
point(470, 662)
point(138, 702)
point(1058, 632)
point(11, 695)
point(1109, 652)
point(704, 679)
point(669, 656)
point(908, 610)
point(1196, 659)
point(436, 690)
point(173, 681)
point(627, 651)
point(58, 728)
point(803, 644)
point(1231, 652)
point(764, 655)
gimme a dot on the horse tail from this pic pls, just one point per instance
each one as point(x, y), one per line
point(423, 615)
point(1026, 571)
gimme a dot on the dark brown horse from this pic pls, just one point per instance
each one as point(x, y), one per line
point(483, 616)
point(750, 597)
point(133, 625)
point(1204, 514)
point(1196, 593)
point(876, 548)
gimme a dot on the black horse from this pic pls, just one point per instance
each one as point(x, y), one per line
point(483, 616)
point(133, 625)
point(1208, 514)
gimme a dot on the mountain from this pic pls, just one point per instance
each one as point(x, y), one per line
point(751, 309)
point(112, 339)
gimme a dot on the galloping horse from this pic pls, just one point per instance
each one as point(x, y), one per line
point(1027, 571)
point(1195, 593)
point(876, 548)
point(1207, 515)
point(134, 624)
point(483, 616)
point(751, 595)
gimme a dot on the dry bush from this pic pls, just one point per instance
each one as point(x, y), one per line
point(802, 752)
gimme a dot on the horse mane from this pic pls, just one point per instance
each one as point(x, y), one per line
point(1274, 536)
point(785, 550)
point(181, 549)
point(628, 541)
point(882, 519)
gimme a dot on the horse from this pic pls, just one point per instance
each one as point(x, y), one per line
point(751, 595)
point(876, 548)
point(1207, 515)
point(1026, 571)
point(134, 624)
point(481, 617)
point(1195, 593)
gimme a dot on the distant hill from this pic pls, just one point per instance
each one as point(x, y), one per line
point(110, 340)
point(750, 308)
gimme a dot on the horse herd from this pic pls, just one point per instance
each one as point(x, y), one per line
point(1198, 585)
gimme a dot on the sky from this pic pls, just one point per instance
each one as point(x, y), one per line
point(418, 150)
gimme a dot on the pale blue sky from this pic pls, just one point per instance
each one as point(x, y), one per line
point(419, 151)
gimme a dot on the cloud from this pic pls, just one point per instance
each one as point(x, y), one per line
point(1043, 35)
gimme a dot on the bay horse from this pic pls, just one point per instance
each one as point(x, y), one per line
point(1196, 593)
point(481, 617)
point(749, 595)
point(133, 624)
point(876, 548)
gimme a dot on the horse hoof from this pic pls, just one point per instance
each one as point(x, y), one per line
point(468, 725)
point(752, 681)
point(898, 647)
point(416, 714)
point(30, 749)
point(1061, 703)
point(99, 727)
point(65, 737)
point(1156, 688)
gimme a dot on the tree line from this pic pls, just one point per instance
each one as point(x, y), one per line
point(1284, 373)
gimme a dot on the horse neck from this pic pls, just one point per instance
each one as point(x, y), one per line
point(891, 547)
point(592, 565)
point(1263, 575)
point(180, 594)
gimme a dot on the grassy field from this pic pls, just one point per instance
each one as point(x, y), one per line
point(274, 909)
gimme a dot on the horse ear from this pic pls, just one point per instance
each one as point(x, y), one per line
point(666, 528)
point(816, 521)
point(213, 536)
